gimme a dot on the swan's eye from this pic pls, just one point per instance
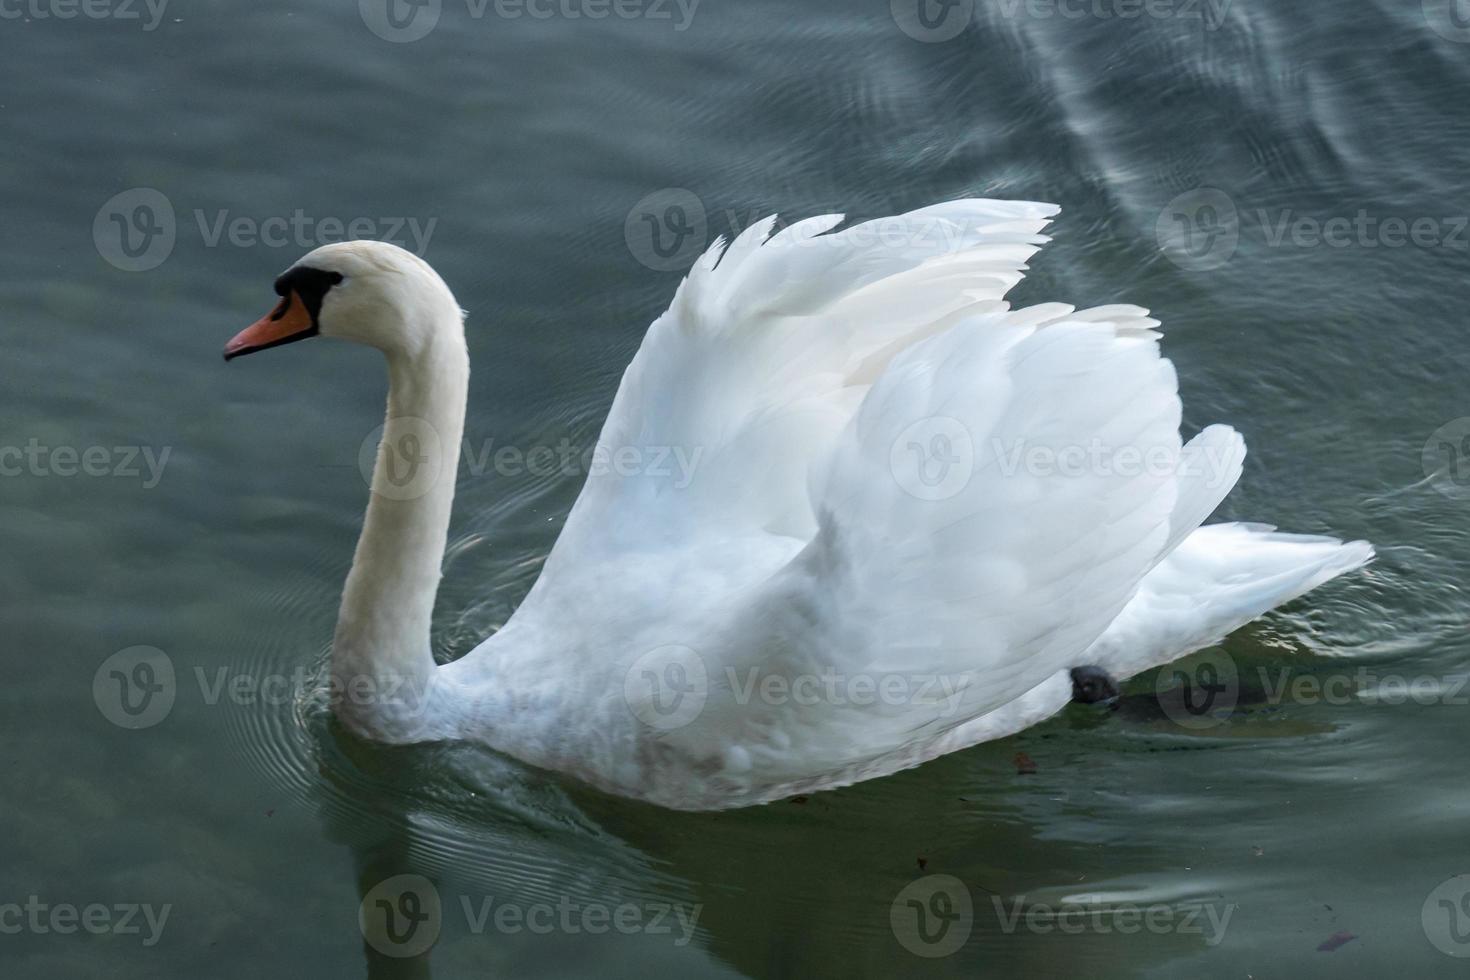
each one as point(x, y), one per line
point(308, 283)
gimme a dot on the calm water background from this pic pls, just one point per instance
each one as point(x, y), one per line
point(530, 147)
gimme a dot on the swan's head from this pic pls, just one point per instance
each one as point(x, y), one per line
point(370, 292)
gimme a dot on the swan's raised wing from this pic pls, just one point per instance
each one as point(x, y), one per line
point(969, 494)
point(741, 388)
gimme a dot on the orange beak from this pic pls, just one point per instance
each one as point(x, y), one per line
point(288, 322)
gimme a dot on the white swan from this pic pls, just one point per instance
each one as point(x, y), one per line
point(913, 512)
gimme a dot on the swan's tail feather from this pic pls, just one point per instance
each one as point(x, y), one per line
point(1219, 578)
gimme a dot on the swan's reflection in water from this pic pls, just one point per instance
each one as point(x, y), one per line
point(965, 867)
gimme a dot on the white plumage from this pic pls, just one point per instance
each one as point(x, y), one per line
point(911, 511)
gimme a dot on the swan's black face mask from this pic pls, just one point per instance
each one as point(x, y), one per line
point(302, 290)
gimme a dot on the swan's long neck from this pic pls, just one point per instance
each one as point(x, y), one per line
point(382, 664)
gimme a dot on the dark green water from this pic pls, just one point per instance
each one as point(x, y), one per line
point(1284, 184)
